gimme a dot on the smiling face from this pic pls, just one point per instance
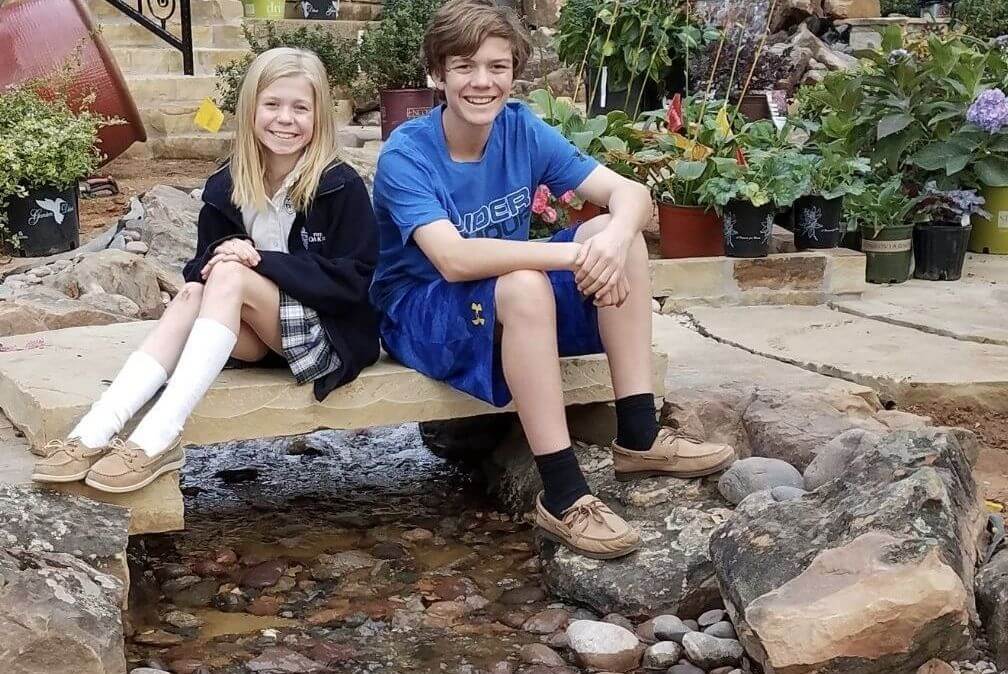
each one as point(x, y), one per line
point(477, 87)
point(285, 116)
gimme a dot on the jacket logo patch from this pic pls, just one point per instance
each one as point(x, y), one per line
point(477, 309)
point(312, 238)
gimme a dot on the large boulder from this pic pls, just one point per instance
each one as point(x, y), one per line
point(58, 615)
point(113, 272)
point(40, 520)
point(671, 573)
point(169, 225)
point(871, 572)
point(992, 602)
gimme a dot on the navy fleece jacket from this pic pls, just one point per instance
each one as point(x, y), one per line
point(333, 250)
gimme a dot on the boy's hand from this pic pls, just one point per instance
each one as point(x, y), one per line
point(242, 249)
point(601, 262)
point(616, 297)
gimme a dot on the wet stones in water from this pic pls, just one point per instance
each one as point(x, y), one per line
point(417, 535)
point(182, 620)
point(188, 666)
point(264, 575)
point(669, 628)
point(526, 594)
point(196, 596)
point(266, 605)
point(230, 602)
point(329, 654)
point(748, 476)
point(604, 646)
point(237, 475)
point(540, 654)
point(721, 630)
point(388, 550)
point(708, 652)
point(283, 660)
point(175, 585)
point(330, 567)
point(662, 655)
point(157, 638)
point(547, 622)
point(208, 567)
point(708, 618)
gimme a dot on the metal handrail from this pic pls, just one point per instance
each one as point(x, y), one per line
point(165, 11)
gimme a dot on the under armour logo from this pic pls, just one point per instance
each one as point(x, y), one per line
point(477, 308)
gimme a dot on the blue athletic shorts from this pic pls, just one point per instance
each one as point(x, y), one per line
point(447, 331)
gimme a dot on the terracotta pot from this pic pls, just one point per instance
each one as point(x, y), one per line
point(689, 231)
point(588, 210)
point(400, 105)
point(62, 25)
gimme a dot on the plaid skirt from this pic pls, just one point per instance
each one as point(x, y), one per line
point(305, 345)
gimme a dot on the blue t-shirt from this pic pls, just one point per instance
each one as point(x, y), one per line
point(417, 182)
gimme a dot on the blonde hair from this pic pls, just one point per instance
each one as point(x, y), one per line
point(460, 26)
point(247, 166)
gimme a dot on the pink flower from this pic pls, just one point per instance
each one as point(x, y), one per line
point(567, 196)
point(549, 215)
point(541, 199)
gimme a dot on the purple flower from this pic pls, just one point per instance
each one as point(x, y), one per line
point(989, 111)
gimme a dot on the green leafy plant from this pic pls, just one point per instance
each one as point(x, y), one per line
point(48, 138)
point(391, 52)
point(982, 18)
point(833, 174)
point(636, 40)
point(880, 205)
point(338, 55)
point(763, 177)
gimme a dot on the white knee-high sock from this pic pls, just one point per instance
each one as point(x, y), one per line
point(203, 357)
point(137, 382)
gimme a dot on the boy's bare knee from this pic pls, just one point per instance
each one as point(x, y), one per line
point(525, 292)
point(592, 227)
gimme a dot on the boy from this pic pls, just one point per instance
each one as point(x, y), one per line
point(465, 298)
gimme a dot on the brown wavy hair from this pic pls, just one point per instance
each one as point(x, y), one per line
point(460, 26)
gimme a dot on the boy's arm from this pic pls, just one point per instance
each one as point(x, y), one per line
point(461, 259)
point(600, 263)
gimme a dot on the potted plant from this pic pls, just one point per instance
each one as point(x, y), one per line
point(391, 57)
point(626, 50)
point(939, 243)
point(748, 190)
point(46, 146)
point(817, 215)
point(882, 211)
point(338, 55)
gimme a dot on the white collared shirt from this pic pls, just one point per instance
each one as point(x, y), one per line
point(270, 228)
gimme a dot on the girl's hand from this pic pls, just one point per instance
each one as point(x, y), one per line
point(242, 249)
point(217, 259)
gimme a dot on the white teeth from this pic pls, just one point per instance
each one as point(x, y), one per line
point(285, 136)
point(480, 101)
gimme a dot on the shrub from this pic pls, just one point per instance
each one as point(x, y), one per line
point(982, 18)
point(391, 54)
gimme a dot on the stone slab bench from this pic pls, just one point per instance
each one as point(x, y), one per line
point(48, 380)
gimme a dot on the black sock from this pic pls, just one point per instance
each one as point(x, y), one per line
point(563, 481)
point(636, 425)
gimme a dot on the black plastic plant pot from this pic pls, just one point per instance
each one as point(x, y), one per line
point(887, 254)
point(607, 98)
point(817, 222)
point(748, 229)
point(316, 10)
point(939, 250)
point(45, 222)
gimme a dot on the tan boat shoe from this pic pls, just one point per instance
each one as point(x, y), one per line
point(128, 468)
point(588, 528)
point(674, 454)
point(66, 461)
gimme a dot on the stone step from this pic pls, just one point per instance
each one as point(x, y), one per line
point(174, 119)
point(903, 364)
point(140, 60)
point(202, 11)
point(132, 34)
point(195, 145)
point(155, 89)
point(809, 277)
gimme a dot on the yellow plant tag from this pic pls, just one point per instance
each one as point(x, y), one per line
point(209, 116)
point(723, 126)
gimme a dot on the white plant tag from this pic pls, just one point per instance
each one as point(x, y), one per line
point(603, 87)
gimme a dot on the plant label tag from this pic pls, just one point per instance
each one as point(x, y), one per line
point(602, 87)
point(209, 116)
point(1003, 220)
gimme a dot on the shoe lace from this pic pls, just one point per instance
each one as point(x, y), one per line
point(118, 448)
point(56, 445)
point(669, 433)
point(579, 518)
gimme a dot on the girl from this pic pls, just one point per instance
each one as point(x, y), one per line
point(285, 252)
